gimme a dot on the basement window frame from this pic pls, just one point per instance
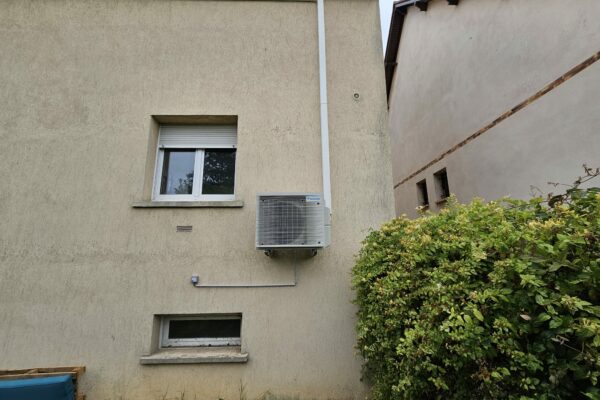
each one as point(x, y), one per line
point(199, 148)
point(200, 342)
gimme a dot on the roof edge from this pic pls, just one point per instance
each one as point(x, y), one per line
point(399, 12)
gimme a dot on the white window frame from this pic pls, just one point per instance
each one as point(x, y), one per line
point(166, 342)
point(198, 174)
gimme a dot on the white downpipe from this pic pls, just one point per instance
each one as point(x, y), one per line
point(323, 100)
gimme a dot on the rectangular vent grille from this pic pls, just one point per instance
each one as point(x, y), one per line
point(294, 220)
point(184, 228)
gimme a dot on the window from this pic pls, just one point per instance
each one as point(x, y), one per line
point(207, 330)
point(422, 196)
point(441, 185)
point(195, 162)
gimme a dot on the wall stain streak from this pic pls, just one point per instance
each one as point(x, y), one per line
point(551, 86)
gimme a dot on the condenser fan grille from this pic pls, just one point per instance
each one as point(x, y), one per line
point(289, 221)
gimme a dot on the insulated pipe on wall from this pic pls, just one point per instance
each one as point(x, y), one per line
point(196, 283)
point(323, 101)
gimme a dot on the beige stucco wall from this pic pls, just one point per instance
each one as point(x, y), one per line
point(461, 67)
point(82, 272)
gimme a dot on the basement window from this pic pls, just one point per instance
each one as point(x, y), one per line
point(422, 196)
point(442, 189)
point(197, 331)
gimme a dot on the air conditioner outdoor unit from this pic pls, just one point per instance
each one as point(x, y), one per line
point(292, 221)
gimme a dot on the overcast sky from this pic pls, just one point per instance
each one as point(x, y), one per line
point(385, 10)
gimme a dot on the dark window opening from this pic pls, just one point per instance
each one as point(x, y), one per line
point(204, 328)
point(422, 196)
point(441, 185)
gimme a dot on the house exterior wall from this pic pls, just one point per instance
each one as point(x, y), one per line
point(82, 272)
point(461, 67)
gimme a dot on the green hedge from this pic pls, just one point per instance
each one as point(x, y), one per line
point(494, 300)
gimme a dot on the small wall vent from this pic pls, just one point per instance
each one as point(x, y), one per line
point(292, 221)
point(184, 228)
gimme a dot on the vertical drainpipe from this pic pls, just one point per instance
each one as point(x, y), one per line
point(323, 101)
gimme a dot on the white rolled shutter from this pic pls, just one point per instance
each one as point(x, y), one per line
point(198, 136)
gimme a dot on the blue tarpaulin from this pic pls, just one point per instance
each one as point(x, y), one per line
point(50, 388)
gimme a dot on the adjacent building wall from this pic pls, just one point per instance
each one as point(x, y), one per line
point(82, 273)
point(460, 67)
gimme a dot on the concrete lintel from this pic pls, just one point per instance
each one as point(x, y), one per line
point(189, 204)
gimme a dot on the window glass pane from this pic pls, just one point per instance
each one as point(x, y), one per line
point(204, 328)
point(178, 171)
point(219, 171)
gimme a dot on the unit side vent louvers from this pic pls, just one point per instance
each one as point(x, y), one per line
point(290, 221)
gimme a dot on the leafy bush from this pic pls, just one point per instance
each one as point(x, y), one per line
point(494, 300)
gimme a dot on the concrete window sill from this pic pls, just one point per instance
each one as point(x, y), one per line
point(189, 204)
point(203, 355)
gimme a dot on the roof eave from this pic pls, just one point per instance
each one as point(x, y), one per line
point(399, 11)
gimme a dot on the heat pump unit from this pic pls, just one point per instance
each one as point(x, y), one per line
point(291, 221)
